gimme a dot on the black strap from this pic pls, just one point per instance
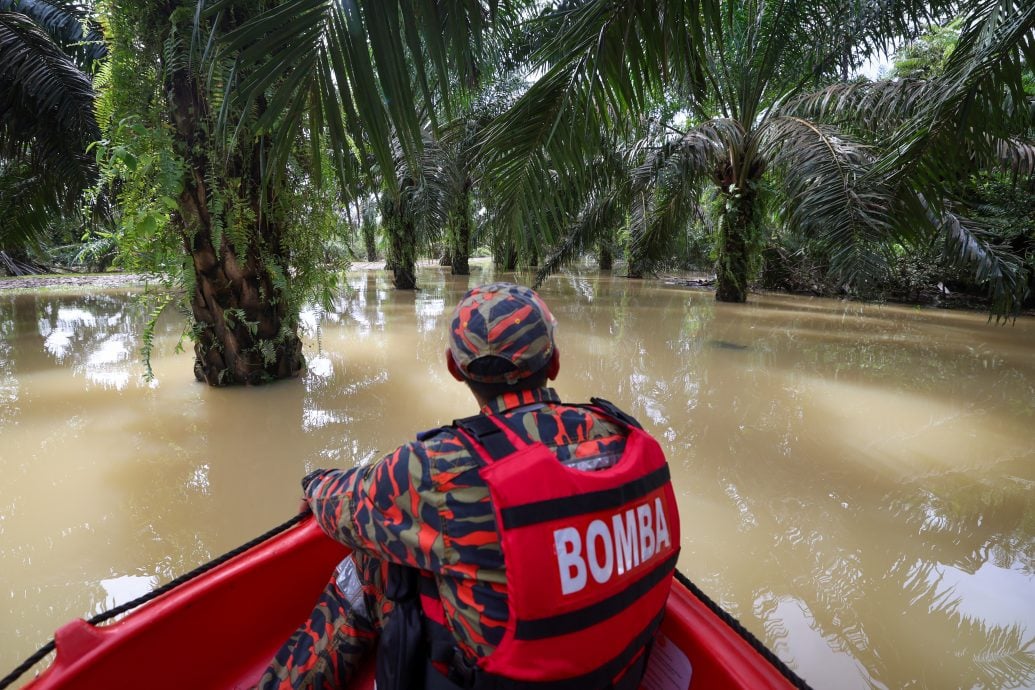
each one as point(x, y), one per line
point(579, 619)
point(619, 673)
point(559, 508)
point(434, 680)
point(494, 440)
point(488, 434)
point(613, 411)
point(630, 679)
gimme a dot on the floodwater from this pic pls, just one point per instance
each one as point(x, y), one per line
point(856, 482)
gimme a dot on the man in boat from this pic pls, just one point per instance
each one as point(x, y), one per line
point(530, 545)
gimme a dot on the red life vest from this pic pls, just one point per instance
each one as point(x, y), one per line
point(589, 556)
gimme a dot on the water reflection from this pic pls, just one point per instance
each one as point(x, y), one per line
point(119, 590)
point(856, 482)
point(9, 387)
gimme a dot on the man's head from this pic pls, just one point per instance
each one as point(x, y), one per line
point(501, 338)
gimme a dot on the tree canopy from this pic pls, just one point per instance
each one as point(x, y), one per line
point(46, 114)
point(242, 139)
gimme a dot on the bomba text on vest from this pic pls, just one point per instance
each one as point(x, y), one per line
point(613, 546)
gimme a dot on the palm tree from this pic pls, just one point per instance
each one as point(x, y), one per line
point(935, 132)
point(414, 206)
point(467, 186)
point(46, 114)
point(185, 191)
point(249, 103)
point(359, 76)
point(736, 67)
point(458, 167)
point(240, 142)
point(433, 199)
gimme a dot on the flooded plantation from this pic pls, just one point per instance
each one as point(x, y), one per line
point(856, 482)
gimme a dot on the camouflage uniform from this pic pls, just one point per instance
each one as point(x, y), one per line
point(426, 506)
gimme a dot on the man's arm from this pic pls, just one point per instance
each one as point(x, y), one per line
point(382, 509)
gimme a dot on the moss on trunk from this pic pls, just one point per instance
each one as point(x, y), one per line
point(241, 337)
point(605, 260)
point(244, 322)
point(460, 235)
point(736, 247)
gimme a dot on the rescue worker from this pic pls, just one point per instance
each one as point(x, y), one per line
point(531, 545)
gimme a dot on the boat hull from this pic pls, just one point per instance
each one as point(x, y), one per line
point(221, 629)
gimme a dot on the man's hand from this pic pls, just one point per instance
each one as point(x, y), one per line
point(303, 507)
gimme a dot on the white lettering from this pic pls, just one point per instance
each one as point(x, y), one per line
point(568, 544)
point(632, 538)
point(662, 523)
point(646, 532)
point(625, 542)
point(598, 532)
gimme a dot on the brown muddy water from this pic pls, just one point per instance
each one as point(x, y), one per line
point(856, 482)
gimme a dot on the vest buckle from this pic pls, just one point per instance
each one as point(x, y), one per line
point(461, 671)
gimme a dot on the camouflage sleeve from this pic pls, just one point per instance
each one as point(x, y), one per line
point(385, 509)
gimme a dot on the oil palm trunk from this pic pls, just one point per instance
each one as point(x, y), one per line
point(735, 246)
point(244, 327)
point(460, 234)
point(401, 231)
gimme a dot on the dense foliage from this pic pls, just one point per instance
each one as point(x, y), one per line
point(246, 147)
point(47, 55)
point(769, 139)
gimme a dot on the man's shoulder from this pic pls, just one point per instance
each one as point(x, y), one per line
point(442, 449)
point(434, 435)
point(588, 420)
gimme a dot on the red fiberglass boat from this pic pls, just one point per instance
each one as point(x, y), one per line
point(220, 628)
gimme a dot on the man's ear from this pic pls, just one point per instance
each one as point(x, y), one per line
point(454, 370)
point(554, 366)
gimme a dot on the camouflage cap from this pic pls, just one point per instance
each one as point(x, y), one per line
point(506, 321)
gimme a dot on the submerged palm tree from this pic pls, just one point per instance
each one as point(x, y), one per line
point(414, 206)
point(933, 134)
point(399, 83)
point(255, 100)
point(433, 200)
point(741, 71)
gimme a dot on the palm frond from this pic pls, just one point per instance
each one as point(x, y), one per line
point(69, 25)
point(601, 212)
point(667, 184)
point(864, 106)
point(968, 245)
point(29, 202)
point(829, 197)
point(45, 100)
point(656, 224)
point(1016, 155)
point(46, 123)
point(357, 64)
point(438, 182)
point(524, 160)
point(981, 93)
point(602, 70)
point(687, 155)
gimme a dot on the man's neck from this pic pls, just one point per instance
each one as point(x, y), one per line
point(515, 399)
